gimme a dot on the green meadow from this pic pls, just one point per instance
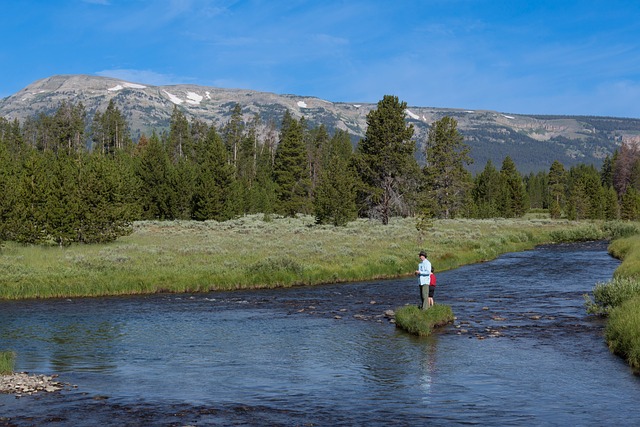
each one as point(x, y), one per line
point(249, 252)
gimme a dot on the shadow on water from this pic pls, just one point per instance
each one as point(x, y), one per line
point(522, 351)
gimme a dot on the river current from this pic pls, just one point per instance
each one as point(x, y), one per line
point(522, 351)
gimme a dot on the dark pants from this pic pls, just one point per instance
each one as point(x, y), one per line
point(424, 296)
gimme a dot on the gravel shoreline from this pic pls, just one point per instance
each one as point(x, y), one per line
point(25, 384)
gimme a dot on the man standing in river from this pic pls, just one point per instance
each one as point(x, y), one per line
point(424, 272)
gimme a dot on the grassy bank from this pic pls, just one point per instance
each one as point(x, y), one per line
point(620, 300)
point(250, 253)
point(7, 361)
point(422, 322)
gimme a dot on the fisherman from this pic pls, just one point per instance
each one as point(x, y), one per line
point(424, 276)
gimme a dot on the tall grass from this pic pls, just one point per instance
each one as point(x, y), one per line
point(249, 252)
point(422, 322)
point(7, 362)
point(623, 331)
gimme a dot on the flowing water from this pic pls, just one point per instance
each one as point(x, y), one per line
point(521, 352)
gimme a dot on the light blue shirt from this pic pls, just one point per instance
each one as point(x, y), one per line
point(424, 269)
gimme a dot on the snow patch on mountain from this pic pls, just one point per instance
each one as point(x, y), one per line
point(194, 98)
point(302, 104)
point(412, 115)
point(173, 98)
point(123, 85)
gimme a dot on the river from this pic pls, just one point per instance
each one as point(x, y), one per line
point(522, 351)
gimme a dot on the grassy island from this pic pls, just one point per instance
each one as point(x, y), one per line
point(422, 322)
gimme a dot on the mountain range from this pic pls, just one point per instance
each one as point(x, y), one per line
point(532, 141)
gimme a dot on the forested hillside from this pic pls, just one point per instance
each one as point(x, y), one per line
point(66, 178)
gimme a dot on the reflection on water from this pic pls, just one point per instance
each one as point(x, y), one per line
point(327, 355)
point(83, 348)
point(428, 366)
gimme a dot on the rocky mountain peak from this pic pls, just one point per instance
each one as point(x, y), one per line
point(533, 142)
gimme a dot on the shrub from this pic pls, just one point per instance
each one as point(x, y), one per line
point(618, 229)
point(578, 234)
point(607, 296)
point(274, 265)
point(421, 322)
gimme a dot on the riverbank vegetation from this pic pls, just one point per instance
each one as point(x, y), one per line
point(422, 322)
point(623, 331)
point(619, 299)
point(249, 252)
point(7, 362)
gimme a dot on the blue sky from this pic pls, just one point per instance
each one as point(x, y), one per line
point(518, 56)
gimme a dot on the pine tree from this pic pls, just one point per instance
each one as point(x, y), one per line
point(64, 130)
point(317, 149)
point(182, 180)
point(198, 134)
point(596, 194)
point(557, 188)
point(335, 200)
point(27, 223)
point(12, 138)
point(8, 184)
point(246, 166)
point(69, 127)
point(179, 139)
point(214, 181)
point(154, 171)
point(486, 191)
point(606, 172)
point(514, 202)
point(611, 208)
point(263, 194)
point(536, 186)
point(233, 133)
point(290, 169)
point(110, 130)
point(448, 182)
point(106, 205)
point(62, 202)
point(385, 159)
point(585, 192)
point(630, 205)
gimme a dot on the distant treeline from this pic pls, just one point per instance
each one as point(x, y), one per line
point(65, 179)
